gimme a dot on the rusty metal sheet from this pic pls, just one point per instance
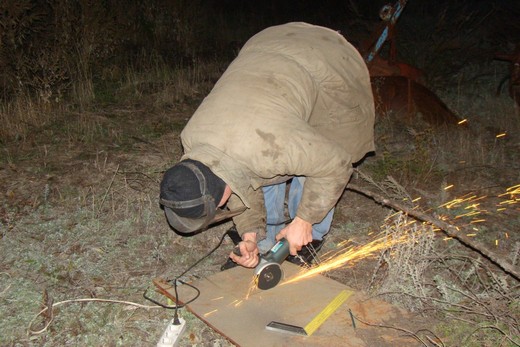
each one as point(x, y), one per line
point(228, 306)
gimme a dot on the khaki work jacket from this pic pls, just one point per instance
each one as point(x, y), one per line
point(296, 101)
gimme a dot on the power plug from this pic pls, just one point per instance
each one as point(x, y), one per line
point(172, 334)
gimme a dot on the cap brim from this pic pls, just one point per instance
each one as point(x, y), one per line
point(190, 225)
point(184, 225)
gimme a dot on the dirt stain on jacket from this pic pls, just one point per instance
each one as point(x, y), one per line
point(273, 150)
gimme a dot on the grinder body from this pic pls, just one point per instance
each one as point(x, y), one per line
point(268, 272)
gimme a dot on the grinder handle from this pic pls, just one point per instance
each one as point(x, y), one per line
point(236, 251)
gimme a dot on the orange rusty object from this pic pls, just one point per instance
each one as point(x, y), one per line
point(404, 98)
point(382, 67)
point(398, 90)
point(396, 85)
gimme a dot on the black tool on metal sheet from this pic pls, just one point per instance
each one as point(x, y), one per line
point(268, 272)
point(286, 328)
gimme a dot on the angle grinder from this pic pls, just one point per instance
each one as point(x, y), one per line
point(268, 272)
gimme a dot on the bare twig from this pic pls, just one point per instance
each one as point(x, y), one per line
point(8, 286)
point(448, 229)
point(108, 189)
point(475, 300)
point(499, 318)
point(412, 334)
point(462, 308)
point(491, 327)
point(47, 314)
point(430, 339)
point(496, 285)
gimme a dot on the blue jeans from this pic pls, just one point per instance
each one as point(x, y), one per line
point(274, 198)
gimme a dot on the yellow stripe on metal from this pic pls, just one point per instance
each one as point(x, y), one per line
point(321, 317)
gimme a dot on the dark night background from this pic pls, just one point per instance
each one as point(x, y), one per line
point(47, 45)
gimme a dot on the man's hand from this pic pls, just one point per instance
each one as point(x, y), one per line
point(249, 251)
point(298, 233)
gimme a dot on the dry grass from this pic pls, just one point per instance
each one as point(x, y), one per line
point(439, 278)
point(22, 116)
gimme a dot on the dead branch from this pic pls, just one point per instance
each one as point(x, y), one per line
point(495, 328)
point(448, 229)
point(107, 191)
point(408, 332)
point(4, 290)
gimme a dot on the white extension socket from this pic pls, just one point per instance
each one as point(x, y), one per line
point(172, 334)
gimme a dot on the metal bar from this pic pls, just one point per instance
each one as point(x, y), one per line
point(396, 12)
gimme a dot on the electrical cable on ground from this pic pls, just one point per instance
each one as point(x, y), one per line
point(174, 281)
point(157, 304)
point(51, 307)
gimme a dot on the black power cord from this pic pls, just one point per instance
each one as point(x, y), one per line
point(176, 280)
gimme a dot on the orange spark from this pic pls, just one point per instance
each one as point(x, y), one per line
point(464, 199)
point(210, 313)
point(512, 190)
point(477, 221)
point(252, 287)
point(349, 255)
point(469, 214)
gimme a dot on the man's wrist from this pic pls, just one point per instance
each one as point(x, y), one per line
point(299, 220)
point(249, 237)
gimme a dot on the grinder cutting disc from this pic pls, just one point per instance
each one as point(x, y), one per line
point(269, 276)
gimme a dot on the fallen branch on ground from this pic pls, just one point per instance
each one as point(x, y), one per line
point(437, 343)
point(447, 228)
